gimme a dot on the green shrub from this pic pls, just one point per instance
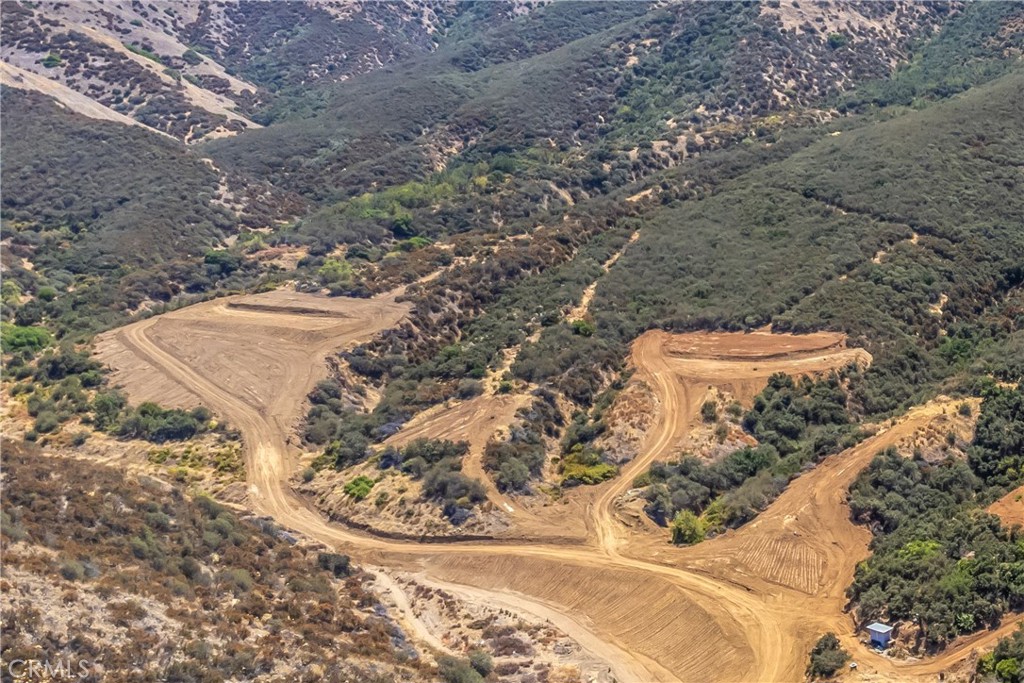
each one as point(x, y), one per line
point(158, 520)
point(222, 262)
point(1004, 662)
point(46, 422)
point(335, 563)
point(583, 328)
point(413, 243)
point(687, 528)
point(148, 54)
point(359, 487)
point(513, 475)
point(153, 423)
point(72, 570)
point(481, 661)
point(239, 580)
point(827, 657)
point(452, 486)
point(581, 465)
point(454, 670)
point(335, 271)
point(837, 40)
point(468, 388)
point(15, 338)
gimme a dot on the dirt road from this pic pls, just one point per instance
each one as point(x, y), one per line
point(743, 607)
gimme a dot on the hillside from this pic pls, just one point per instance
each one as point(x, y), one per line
point(151, 580)
point(198, 70)
point(544, 313)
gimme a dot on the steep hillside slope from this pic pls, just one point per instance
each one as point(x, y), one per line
point(129, 59)
point(110, 214)
point(634, 74)
point(197, 70)
point(917, 215)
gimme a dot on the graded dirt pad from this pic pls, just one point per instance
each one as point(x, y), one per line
point(746, 346)
point(266, 349)
point(746, 606)
point(252, 367)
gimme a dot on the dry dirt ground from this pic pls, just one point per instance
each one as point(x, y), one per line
point(1010, 508)
point(521, 640)
point(746, 606)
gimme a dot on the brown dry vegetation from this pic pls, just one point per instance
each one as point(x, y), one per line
point(140, 582)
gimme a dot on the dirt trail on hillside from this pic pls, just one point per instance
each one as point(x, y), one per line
point(726, 610)
point(681, 369)
point(581, 309)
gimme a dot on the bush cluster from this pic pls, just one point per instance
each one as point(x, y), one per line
point(796, 423)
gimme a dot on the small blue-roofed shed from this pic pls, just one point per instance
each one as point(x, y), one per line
point(880, 634)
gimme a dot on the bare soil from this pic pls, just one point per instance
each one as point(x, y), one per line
point(1010, 508)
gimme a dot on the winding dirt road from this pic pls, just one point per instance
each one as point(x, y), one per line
point(730, 609)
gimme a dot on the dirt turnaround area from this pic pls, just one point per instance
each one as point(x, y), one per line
point(745, 606)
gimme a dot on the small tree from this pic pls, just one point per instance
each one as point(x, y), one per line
point(709, 411)
point(335, 271)
point(827, 657)
point(452, 670)
point(359, 487)
point(687, 528)
point(583, 328)
point(481, 662)
point(513, 475)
